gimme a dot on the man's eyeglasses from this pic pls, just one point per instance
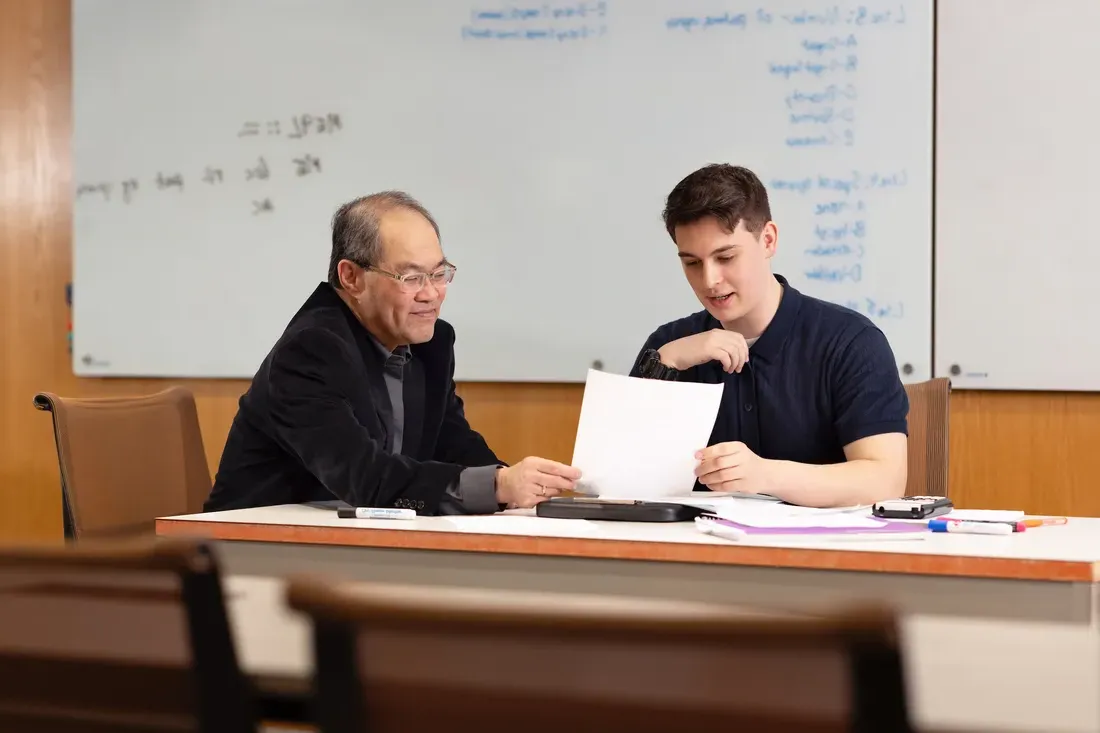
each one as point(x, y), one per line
point(414, 282)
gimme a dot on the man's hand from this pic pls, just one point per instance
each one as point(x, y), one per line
point(728, 347)
point(733, 467)
point(534, 480)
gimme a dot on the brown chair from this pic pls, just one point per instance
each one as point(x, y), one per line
point(390, 660)
point(127, 460)
point(134, 637)
point(929, 421)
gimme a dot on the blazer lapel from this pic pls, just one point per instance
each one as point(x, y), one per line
point(414, 408)
point(376, 384)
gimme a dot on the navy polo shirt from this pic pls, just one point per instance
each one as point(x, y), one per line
point(821, 376)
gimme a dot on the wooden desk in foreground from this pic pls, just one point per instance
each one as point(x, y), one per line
point(1000, 632)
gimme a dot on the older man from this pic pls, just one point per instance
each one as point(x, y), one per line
point(356, 401)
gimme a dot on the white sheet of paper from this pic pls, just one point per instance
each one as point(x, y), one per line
point(838, 521)
point(637, 437)
point(736, 505)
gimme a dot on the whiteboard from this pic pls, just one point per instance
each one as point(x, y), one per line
point(1017, 257)
point(214, 140)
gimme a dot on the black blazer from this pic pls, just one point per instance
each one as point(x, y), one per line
point(308, 427)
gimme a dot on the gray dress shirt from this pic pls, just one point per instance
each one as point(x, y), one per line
point(475, 490)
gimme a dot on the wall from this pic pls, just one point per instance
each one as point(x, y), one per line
point(1032, 451)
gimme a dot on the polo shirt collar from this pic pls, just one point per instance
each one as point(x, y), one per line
point(770, 344)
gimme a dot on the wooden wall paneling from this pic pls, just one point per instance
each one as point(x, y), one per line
point(1035, 451)
point(34, 220)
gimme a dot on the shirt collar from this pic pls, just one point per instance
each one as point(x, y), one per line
point(770, 343)
point(398, 357)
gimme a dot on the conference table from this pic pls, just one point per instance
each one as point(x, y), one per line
point(999, 632)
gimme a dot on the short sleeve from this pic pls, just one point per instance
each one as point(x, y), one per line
point(868, 395)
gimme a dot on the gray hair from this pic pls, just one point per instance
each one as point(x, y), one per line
point(355, 229)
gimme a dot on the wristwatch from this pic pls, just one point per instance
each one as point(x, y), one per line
point(651, 367)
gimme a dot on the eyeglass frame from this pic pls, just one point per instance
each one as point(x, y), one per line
point(423, 277)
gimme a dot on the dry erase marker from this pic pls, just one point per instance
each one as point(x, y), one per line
point(371, 512)
point(1017, 526)
point(962, 526)
point(1043, 521)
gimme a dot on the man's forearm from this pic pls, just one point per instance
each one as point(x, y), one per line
point(857, 481)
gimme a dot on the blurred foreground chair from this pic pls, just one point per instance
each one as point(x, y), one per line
point(426, 661)
point(126, 461)
point(134, 637)
point(929, 424)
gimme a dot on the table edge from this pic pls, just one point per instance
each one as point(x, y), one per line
point(682, 552)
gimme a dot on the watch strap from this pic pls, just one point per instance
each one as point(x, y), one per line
point(653, 368)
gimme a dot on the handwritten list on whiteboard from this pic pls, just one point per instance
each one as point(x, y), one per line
point(543, 137)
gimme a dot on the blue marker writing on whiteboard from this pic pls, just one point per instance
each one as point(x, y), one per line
point(370, 512)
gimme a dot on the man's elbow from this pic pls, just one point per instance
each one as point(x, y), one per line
point(887, 458)
point(892, 479)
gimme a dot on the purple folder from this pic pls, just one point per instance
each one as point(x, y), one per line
point(885, 527)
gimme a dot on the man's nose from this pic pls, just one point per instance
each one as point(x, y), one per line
point(712, 276)
point(430, 291)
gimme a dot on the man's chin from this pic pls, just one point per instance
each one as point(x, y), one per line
point(422, 333)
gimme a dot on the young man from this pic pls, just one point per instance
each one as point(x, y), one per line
point(357, 401)
point(813, 410)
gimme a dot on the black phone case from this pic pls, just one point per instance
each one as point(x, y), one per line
point(650, 511)
point(926, 510)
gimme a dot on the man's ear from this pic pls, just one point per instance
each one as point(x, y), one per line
point(769, 237)
point(352, 277)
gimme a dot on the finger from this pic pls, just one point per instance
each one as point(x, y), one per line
point(723, 356)
point(541, 494)
point(557, 483)
point(712, 464)
point(719, 449)
point(545, 465)
point(737, 347)
point(535, 495)
point(737, 351)
point(723, 475)
point(742, 355)
point(736, 361)
point(725, 460)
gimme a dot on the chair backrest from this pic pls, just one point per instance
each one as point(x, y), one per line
point(419, 661)
point(127, 460)
point(929, 423)
point(118, 638)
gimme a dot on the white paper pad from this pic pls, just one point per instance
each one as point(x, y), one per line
point(737, 505)
point(638, 437)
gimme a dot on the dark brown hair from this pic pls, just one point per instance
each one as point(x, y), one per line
point(729, 193)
